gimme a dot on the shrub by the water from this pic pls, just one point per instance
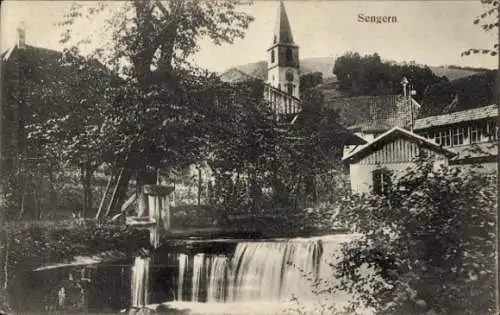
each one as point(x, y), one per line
point(27, 246)
point(430, 242)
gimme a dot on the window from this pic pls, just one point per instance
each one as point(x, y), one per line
point(289, 54)
point(476, 133)
point(457, 136)
point(492, 131)
point(289, 76)
point(290, 89)
point(272, 56)
point(381, 181)
point(443, 137)
point(275, 39)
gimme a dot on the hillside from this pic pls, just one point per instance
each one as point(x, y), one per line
point(460, 94)
point(325, 66)
point(453, 73)
point(259, 69)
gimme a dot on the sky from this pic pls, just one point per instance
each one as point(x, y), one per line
point(427, 32)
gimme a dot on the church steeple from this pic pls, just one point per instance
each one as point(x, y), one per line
point(282, 29)
point(283, 57)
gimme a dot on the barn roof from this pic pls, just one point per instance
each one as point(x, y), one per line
point(456, 117)
point(391, 135)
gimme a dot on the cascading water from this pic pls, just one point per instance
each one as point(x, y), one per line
point(250, 277)
point(217, 281)
point(198, 263)
point(257, 271)
point(183, 264)
point(140, 282)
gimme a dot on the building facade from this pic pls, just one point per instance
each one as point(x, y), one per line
point(375, 166)
point(472, 134)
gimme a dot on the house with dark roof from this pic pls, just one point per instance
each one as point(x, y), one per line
point(375, 166)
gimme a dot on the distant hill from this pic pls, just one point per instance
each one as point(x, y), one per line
point(325, 66)
point(454, 73)
point(259, 69)
point(464, 93)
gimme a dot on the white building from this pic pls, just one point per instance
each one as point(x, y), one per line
point(373, 167)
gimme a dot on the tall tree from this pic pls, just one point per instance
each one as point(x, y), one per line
point(369, 75)
point(154, 118)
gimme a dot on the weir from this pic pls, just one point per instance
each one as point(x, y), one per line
point(253, 271)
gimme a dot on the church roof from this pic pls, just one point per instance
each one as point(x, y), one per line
point(282, 30)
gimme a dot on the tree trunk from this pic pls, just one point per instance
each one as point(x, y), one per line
point(199, 186)
point(88, 187)
point(85, 189)
point(5, 304)
point(52, 197)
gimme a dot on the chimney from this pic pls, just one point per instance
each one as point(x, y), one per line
point(21, 35)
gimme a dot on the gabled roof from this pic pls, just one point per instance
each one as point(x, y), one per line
point(282, 31)
point(456, 117)
point(389, 136)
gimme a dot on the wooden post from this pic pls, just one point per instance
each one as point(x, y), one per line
point(158, 204)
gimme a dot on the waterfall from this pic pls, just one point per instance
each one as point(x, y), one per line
point(198, 263)
point(140, 282)
point(273, 271)
point(183, 263)
point(217, 279)
point(258, 271)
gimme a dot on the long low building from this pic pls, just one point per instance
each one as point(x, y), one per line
point(472, 134)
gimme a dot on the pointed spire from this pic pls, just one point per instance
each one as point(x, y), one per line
point(282, 30)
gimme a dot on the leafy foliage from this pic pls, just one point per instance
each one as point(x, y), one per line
point(488, 21)
point(26, 246)
point(136, 98)
point(430, 243)
point(158, 114)
point(261, 164)
point(369, 75)
point(310, 80)
point(460, 94)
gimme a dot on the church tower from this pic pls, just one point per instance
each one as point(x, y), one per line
point(283, 57)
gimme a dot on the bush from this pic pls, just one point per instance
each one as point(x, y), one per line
point(430, 242)
point(26, 246)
